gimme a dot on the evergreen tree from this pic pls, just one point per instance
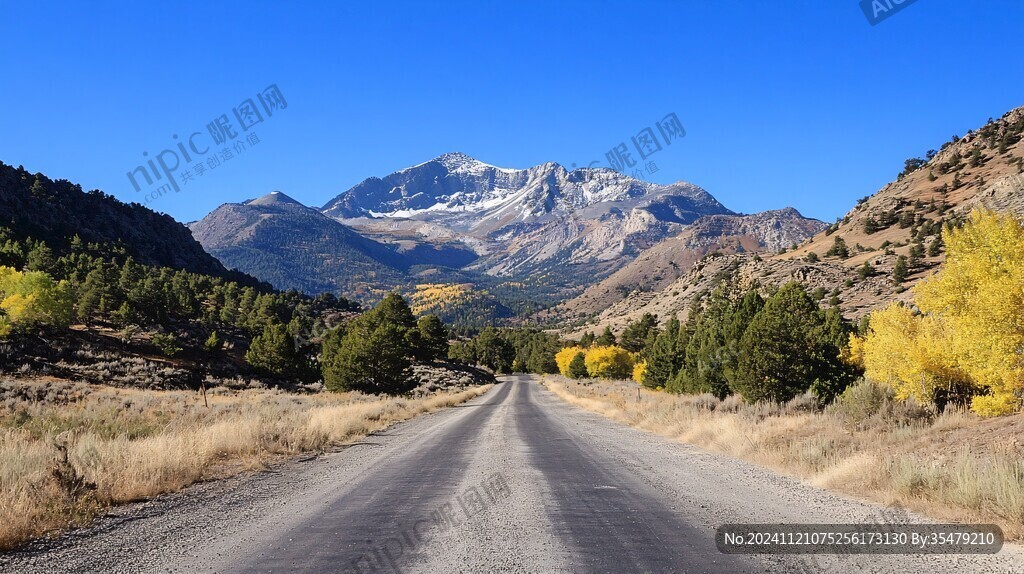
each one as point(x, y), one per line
point(463, 352)
point(39, 258)
point(635, 335)
point(578, 367)
point(899, 271)
point(780, 354)
point(273, 351)
point(709, 350)
point(393, 309)
point(838, 249)
point(865, 271)
point(493, 351)
point(606, 339)
point(587, 339)
point(213, 343)
point(916, 253)
point(664, 358)
point(433, 338)
point(833, 374)
point(367, 359)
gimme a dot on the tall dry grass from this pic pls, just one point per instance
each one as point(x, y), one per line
point(952, 466)
point(70, 450)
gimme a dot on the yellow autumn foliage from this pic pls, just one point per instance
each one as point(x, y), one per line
point(609, 362)
point(18, 308)
point(30, 298)
point(910, 353)
point(972, 323)
point(435, 297)
point(638, 371)
point(564, 357)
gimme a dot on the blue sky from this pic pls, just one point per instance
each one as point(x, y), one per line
point(797, 102)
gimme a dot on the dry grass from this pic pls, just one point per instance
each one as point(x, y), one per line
point(953, 467)
point(70, 450)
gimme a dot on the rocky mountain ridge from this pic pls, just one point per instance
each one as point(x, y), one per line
point(544, 230)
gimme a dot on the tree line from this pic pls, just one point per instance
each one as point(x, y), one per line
point(733, 342)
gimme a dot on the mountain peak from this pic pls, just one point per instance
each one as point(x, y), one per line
point(458, 162)
point(455, 157)
point(272, 198)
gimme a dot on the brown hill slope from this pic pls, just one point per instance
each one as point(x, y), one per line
point(985, 168)
point(657, 267)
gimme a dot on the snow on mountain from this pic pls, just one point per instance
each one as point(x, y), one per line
point(478, 197)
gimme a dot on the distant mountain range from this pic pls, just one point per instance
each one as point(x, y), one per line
point(585, 248)
point(542, 231)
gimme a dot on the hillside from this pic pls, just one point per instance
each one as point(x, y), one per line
point(657, 267)
point(984, 168)
point(33, 205)
point(292, 246)
point(458, 304)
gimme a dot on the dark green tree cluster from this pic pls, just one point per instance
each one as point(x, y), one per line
point(639, 335)
point(374, 352)
point(712, 349)
point(508, 350)
point(109, 287)
point(770, 349)
point(791, 346)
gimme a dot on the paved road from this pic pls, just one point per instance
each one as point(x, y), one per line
point(606, 518)
point(515, 481)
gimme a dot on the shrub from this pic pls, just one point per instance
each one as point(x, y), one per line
point(867, 404)
point(609, 362)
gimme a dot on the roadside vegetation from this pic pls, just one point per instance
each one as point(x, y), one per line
point(954, 466)
point(961, 342)
point(78, 318)
point(914, 405)
point(68, 451)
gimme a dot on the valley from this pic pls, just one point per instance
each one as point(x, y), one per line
point(503, 287)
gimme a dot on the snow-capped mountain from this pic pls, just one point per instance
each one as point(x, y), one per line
point(544, 219)
point(480, 198)
point(544, 228)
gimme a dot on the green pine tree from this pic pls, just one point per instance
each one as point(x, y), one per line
point(374, 361)
point(273, 351)
point(606, 339)
point(578, 367)
point(433, 338)
point(664, 358)
point(781, 353)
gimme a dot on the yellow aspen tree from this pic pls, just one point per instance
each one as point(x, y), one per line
point(638, 371)
point(980, 295)
point(609, 362)
point(564, 357)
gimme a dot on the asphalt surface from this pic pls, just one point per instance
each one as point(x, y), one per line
point(514, 481)
point(609, 520)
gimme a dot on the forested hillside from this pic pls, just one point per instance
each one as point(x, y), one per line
point(54, 211)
